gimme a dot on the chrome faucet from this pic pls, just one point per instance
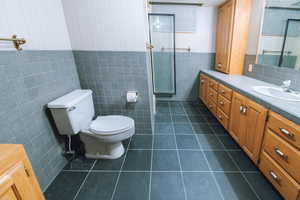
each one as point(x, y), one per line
point(286, 86)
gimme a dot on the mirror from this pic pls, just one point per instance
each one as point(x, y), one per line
point(280, 34)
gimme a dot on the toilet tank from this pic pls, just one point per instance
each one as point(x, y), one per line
point(73, 112)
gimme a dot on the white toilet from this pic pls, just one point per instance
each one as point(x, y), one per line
point(102, 137)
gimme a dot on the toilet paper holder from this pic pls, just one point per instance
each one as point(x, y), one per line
point(132, 96)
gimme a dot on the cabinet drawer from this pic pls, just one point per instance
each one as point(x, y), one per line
point(225, 91)
point(223, 119)
point(285, 184)
point(224, 104)
point(285, 128)
point(212, 107)
point(213, 84)
point(285, 154)
point(213, 95)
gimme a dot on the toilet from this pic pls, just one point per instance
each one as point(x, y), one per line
point(102, 136)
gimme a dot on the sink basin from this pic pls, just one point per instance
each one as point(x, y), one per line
point(277, 92)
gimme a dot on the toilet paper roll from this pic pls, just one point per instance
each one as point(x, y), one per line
point(132, 96)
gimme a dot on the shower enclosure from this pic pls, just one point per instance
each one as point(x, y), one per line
point(162, 39)
point(290, 54)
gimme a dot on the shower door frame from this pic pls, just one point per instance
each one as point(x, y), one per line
point(284, 40)
point(174, 53)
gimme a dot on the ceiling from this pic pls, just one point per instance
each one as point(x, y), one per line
point(205, 2)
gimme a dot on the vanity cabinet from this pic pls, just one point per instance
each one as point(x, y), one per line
point(203, 87)
point(247, 124)
point(232, 35)
point(17, 179)
point(280, 155)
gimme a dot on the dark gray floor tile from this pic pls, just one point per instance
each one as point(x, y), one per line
point(211, 119)
point(177, 110)
point(164, 142)
point(106, 164)
point(163, 109)
point(193, 161)
point(219, 129)
point(165, 161)
point(174, 104)
point(141, 142)
point(180, 119)
point(201, 186)
point(133, 186)
point(220, 161)
point(167, 186)
point(137, 160)
point(80, 163)
point(228, 142)
point(164, 128)
point(161, 104)
point(163, 118)
point(184, 128)
point(262, 186)
point(99, 185)
point(187, 142)
point(65, 185)
point(234, 187)
point(209, 142)
point(202, 128)
point(243, 161)
point(192, 111)
point(197, 119)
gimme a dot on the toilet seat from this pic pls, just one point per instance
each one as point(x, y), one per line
point(111, 125)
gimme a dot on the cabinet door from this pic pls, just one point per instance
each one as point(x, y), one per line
point(224, 36)
point(255, 124)
point(15, 185)
point(237, 118)
point(203, 88)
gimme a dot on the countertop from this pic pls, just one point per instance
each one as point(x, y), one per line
point(244, 84)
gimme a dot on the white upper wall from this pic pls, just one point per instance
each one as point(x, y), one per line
point(204, 39)
point(40, 22)
point(111, 25)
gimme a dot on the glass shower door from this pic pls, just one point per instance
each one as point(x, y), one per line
point(162, 39)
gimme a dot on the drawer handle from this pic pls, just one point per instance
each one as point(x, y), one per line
point(241, 109)
point(222, 91)
point(281, 154)
point(220, 117)
point(274, 176)
point(202, 81)
point(210, 106)
point(286, 133)
point(221, 103)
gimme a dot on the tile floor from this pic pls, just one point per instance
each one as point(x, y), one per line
point(189, 157)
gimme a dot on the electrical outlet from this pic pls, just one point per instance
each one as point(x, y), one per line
point(250, 67)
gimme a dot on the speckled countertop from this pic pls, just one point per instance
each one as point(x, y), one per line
point(244, 84)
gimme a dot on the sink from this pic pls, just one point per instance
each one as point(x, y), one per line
point(277, 92)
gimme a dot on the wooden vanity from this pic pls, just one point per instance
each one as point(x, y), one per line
point(270, 140)
point(17, 178)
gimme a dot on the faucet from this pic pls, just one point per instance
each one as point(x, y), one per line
point(286, 86)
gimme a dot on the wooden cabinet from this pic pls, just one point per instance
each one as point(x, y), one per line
point(203, 88)
point(247, 124)
point(232, 34)
point(17, 179)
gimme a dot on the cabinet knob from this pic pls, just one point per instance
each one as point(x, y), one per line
point(221, 103)
point(286, 133)
point(223, 91)
point(274, 176)
point(281, 154)
point(219, 65)
point(220, 117)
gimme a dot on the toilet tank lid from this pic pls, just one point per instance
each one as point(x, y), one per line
point(69, 99)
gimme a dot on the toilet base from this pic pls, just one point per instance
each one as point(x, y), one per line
point(96, 149)
point(112, 151)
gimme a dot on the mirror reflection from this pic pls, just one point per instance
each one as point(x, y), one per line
point(280, 37)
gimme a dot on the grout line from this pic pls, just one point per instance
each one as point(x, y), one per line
point(121, 169)
point(236, 164)
point(229, 150)
point(83, 182)
point(178, 157)
point(132, 171)
point(243, 175)
point(208, 164)
point(151, 163)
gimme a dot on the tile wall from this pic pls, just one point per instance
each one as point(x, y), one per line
point(29, 80)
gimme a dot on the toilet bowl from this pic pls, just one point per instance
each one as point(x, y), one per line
point(102, 137)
